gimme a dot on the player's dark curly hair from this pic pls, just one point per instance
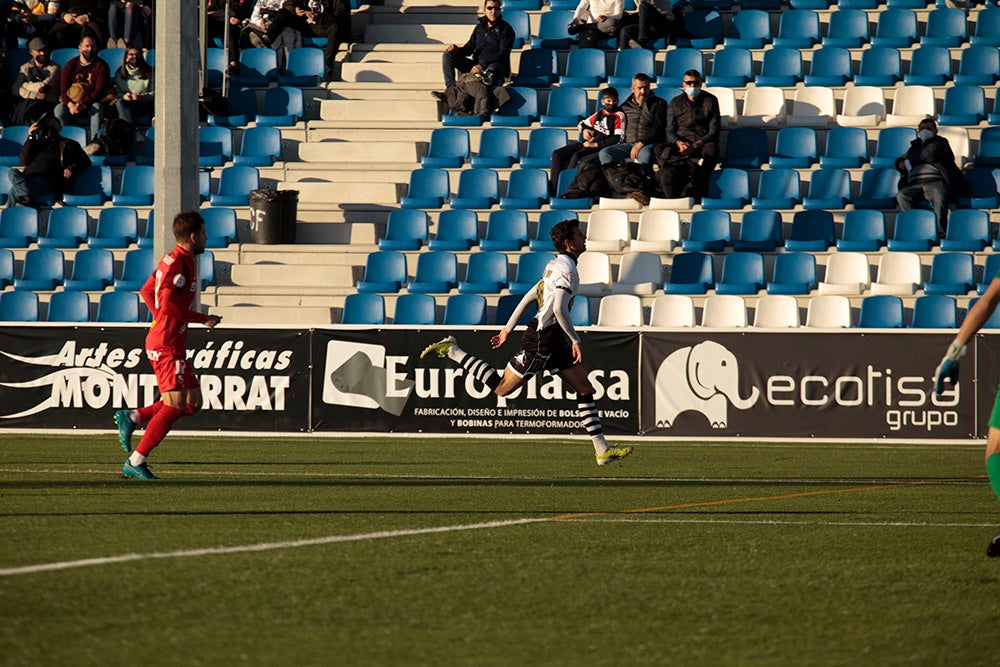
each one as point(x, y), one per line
point(563, 232)
point(186, 224)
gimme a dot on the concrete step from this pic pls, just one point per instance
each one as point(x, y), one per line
point(410, 72)
point(339, 173)
point(315, 192)
point(366, 152)
point(290, 276)
point(304, 255)
point(284, 315)
point(375, 111)
point(347, 131)
point(419, 34)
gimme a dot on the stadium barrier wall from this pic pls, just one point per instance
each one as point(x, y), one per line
point(691, 384)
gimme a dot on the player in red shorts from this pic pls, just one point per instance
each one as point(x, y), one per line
point(168, 293)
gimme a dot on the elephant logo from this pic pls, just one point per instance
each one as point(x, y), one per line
point(704, 378)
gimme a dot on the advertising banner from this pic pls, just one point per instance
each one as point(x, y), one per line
point(76, 377)
point(801, 385)
point(374, 380)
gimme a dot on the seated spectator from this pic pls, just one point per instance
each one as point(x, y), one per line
point(929, 174)
point(27, 19)
point(645, 125)
point(235, 12)
point(655, 19)
point(315, 18)
point(76, 22)
point(691, 150)
point(595, 20)
point(128, 23)
point(84, 85)
point(36, 86)
point(488, 50)
point(50, 161)
point(134, 87)
point(261, 17)
point(604, 128)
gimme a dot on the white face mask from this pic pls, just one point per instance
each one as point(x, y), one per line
point(692, 91)
point(925, 135)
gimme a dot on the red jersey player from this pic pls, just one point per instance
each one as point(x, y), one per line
point(168, 293)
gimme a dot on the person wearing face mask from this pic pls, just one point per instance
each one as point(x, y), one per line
point(84, 83)
point(604, 128)
point(36, 86)
point(645, 125)
point(691, 150)
point(928, 173)
point(134, 87)
point(51, 162)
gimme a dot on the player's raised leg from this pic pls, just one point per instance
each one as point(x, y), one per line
point(476, 367)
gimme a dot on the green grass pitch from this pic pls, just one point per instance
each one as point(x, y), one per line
point(492, 551)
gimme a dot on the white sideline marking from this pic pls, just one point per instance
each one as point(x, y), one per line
point(786, 522)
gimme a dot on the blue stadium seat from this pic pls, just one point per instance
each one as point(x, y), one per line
point(18, 307)
point(258, 68)
point(363, 308)
point(215, 145)
point(828, 188)
point(878, 189)
point(499, 148)
point(951, 273)
point(795, 148)
point(526, 189)
point(506, 305)
point(542, 241)
point(831, 67)
point(80, 135)
point(437, 273)
point(778, 189)
point(945, 27)
point(929, 66)
point(566, 177)
point(415, 310)
point(994, 116)
point(968, 230)
point(537, 68)
point(579, 311)
point(675, 63)
point(934, 312)
point(983, 188)
point(283, 106)
point(477, 188)
point(12, 139)
point(457, 230)
point(220, 227)
point(552, 30)
point(727, 189)
point(782, 67)
point(742, 273)
point(794, 273)
point(214, 66)
point(988, 154)
point(5, 183)
point(848, 28)
point(541, 142)
point(915, 231)
point(863, 231)
point(978, 66)
point(710, 231)
point(530, 266)
point(6, 268)
point(235, 184)
point(797, 29)
point(896, 28)
point(846, 148)
point(93, 270)
point(448, 148)
point(18, 227)
point(760, 231)
point(67, 228)
point(520, 111)
point(690, 273)
point(42, 270)
point(880, 66)
point(987, 28)
point(732, 67)
point(883, 311)
point(241, 108)
point(385, 271)
point(705, 28)
point(304, 67)
point(118, 307)
point(486, 273)
point(405, 229)
point(990, 273)
point(259, 147)
point(137, 267)
point(64, 55)
point(520, 22)
point(506, 231)
point(67, 307)
point(522, 5)
point(206, 268)
point(627, 63)
point(136, 187)
point(145, 239)
point(892, 142)
point(116, 228)
point(746, 148)
point(428, 188)
point(565, 108)
point(750, 29)
point(91, 187)
point(585, 68)
point(812, 231)
point(465, 309)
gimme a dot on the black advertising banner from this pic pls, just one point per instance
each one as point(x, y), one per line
point(374, 380)
point(76, 377)
point(987, 356)
point(801, 385)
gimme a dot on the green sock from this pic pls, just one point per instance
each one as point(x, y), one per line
point(993, 470)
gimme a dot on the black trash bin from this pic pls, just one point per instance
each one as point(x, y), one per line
point(273, 214)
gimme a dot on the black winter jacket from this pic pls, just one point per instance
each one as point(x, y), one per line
point(694, 120)
point(647, 123)
point(491, 46)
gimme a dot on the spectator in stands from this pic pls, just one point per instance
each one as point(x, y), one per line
point(261, 18)
point(929, 174)
point(36, 85)
point(128, 23)
point(78, 20)
point(27, 19)
point(50, 161)
point(691, 150)
point(604, 128)
point(488, 50)
point(85, 82)
point(134, 86)
point(595, 20)
point(235, 12)
point(316, 18)
point(645, 125)
point(655, 18)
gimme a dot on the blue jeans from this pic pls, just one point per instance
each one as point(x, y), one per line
point(127, 22)
point(31, 185)
point(621, 152)
point(94, 113)
point(934, 193)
